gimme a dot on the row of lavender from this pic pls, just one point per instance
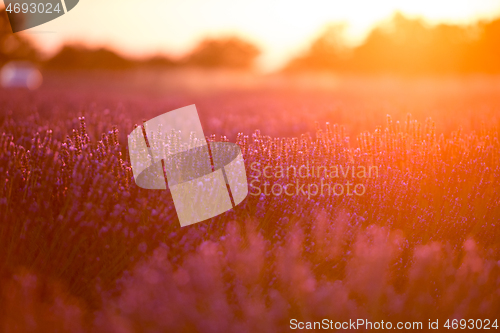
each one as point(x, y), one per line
point(421, 241)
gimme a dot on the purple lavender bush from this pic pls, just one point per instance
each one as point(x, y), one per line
point(86, 250)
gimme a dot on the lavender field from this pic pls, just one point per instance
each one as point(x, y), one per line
point(83, 249)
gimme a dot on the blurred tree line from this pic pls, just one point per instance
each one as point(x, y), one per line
point(399, 46)
point(409, 47)
point(210, 53)
point(229, 52)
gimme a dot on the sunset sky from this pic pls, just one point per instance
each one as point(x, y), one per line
point(281, 28)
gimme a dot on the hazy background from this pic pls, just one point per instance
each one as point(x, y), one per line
point(280, 29)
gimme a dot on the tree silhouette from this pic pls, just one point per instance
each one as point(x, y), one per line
point(328, 51)
point(76, 57)
point(229, 52)
point(408, 47)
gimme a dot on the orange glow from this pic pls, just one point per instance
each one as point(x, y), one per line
point(280, 28)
